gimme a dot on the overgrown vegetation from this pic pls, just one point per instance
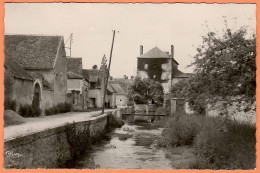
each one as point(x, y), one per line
point(143, 90)
point(59, 108)
point(224, 68)
point(10, 105)
point(217, 143)
point(29, 111)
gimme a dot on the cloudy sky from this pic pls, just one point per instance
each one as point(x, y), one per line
point(150, 25)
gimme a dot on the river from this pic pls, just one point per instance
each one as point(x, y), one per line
point(133, 146)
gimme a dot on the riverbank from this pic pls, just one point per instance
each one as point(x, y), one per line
point(208, 143)
point(49, 144)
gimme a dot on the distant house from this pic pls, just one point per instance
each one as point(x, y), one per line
point(18, 84)
point(43, 57)
point(94, 77)
point(159, 66)
point(111, 96)
point(178, 76)
point(124, 83)
point(121, 94)
point(76, 88)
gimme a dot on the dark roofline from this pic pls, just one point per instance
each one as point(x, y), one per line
point(10, 71)
point(159, 57)
point(39, 35)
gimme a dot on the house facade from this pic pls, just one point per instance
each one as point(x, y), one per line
point(18, 84)
point(43, 57)
point(159, 66)
point(94, 78)
point(76, 88)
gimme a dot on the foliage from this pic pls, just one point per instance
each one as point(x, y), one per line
point(143, 90)
point(224, 68)
point(59, 108)
point(10, 105)
point(29, 111)
point(94, 67)
point(217, 143)
point(180, 130)
point(229, 145)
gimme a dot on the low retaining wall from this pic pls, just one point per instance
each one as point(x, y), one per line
point(54, 147)
point(145, 107)
point(125, 110)
point(234, 112)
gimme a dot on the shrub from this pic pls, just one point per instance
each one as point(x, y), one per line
point(10, 105)
point(29, 111)
point(226, 145)
point(181, 129)
point(218, 143)
point(59, 108)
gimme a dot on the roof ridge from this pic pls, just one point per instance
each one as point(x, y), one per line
point(39, 35)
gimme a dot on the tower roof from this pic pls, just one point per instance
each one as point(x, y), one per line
point(155, 53)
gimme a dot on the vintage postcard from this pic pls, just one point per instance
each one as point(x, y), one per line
point(162, 86)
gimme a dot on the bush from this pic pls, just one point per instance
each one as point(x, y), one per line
point(218, 143)
point(29, 111)
point(59, 108)
point(181, 129)
point(10, 105)
point(226, 145)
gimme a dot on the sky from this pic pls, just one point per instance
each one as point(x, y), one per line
point(150, 25)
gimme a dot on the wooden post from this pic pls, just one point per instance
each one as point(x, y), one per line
point(106, 79)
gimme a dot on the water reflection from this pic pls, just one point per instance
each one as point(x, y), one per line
point(133, 146)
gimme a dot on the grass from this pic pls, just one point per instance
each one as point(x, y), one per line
point(216, 143)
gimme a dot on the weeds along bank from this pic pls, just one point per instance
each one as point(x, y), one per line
point(212, 143)
point(53, 148)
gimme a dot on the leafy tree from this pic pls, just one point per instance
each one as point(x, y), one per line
point(94, 67)
point(143, 90)
point(224, 68)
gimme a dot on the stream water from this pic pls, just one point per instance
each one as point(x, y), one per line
point(133, 146)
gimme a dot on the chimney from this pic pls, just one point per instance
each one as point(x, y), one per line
point(172, 51)
point(141, 50)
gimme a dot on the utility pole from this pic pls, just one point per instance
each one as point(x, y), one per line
point(71, 37)
point(106, 79)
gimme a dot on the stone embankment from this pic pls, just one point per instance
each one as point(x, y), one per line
point(54, 146)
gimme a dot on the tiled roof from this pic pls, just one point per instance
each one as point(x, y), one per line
point(124, 83)
point(178, 74)
point(110, 88)
point(155, 53)
point(72, 75)
point(36, 75)
point(31, 51)
point(74, 65)
point(16, 69)
point(118, 89)
point(92, 75)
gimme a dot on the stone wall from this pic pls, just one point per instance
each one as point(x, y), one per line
point(53, 147)
point(235, 111)
point(145, 107)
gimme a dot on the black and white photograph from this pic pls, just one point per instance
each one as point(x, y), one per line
point(163, 86)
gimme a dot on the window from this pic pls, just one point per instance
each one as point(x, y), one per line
point(92, 85)
point(146, 66)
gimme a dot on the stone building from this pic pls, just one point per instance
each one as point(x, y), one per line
point(44, 58)
point(76, 88)
point(18, 84)
point(121, 94)
point(160, 66)
point(94, 77)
